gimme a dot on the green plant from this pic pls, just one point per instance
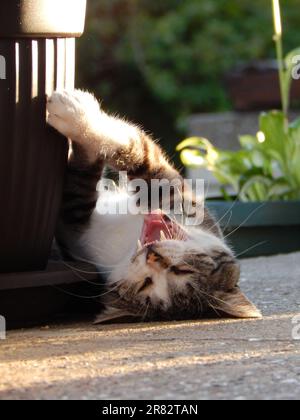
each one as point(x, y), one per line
point(168, 58)
point(267, 166)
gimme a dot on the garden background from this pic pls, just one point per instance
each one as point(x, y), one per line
point(157, 62)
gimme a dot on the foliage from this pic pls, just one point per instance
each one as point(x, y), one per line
point(266, 168)
point(160, 61)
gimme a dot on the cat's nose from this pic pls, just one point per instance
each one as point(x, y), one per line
point(155, 260)
point(150, 249)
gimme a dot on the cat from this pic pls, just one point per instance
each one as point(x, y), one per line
point(155, 267)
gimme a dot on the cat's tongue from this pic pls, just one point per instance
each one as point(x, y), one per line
point(157, 228)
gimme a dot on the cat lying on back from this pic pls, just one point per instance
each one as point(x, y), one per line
point(155, 268)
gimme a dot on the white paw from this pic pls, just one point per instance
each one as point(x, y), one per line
point(73, 113)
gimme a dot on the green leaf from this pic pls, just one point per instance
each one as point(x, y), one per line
point(273, 124)
point(193, 158)
point(294, 154)
point(193, 142)
point(262, 170)
point(279, 189)
point(248, 142)
point(255, 189)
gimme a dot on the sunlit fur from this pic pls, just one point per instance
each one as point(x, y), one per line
point(187, 275)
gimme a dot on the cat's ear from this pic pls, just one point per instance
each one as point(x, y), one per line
point(235, 304)
point(113, 314)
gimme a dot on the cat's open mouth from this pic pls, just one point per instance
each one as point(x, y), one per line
point(159, 227)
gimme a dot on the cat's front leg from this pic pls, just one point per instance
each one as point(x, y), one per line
point(122, 145)
point(113, 141)
point(76, 115)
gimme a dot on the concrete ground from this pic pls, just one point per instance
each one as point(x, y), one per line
point(219, 359)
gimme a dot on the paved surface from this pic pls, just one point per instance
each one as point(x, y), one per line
point(188, 360)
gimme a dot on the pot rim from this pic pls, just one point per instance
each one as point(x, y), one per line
point(56, 274)
point(42, 18)
point(256, 214)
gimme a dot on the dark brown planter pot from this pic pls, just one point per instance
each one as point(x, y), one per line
point(255, 86)
point(37, 56)
point(44, 296)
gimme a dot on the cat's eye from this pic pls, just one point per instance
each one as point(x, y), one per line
point(181, 271)
point(158, 256)
point(147, 283)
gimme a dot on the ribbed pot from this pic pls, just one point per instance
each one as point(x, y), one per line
point(33, 157)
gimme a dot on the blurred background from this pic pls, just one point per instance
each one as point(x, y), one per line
point(185, 67)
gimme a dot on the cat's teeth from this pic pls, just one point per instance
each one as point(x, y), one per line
point(139, 246)
point(163, 236)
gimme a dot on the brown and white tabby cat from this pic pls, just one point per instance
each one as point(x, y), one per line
point(152, 272)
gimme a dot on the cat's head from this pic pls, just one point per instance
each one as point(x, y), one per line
point(176, 273)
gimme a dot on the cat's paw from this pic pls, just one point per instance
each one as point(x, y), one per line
point(73, 113)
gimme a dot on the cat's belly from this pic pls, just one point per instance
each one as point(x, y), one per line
point(111, 239)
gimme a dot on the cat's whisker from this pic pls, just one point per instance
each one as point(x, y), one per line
point(224, 215)
point(163, 236)
point(77, 295)
point(82, 260)
point(181, 205)
point(79, 270)
point(115, 302)
point(93, 262)
point(251, 248)
point(146, 312)
point(101, 249)
point(197, 292)
point(228, 222)
point(110, 290)
point(214, 308)
point(206, 190)
point(200, 301)
point(213, 297)
point(167, 227)
point(76, 271)
point(79, 258)
point(245, 221)
point(77, 274)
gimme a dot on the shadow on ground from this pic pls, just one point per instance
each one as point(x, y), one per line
point(217, 359)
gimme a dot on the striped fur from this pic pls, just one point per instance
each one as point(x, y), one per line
point(179, 277)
